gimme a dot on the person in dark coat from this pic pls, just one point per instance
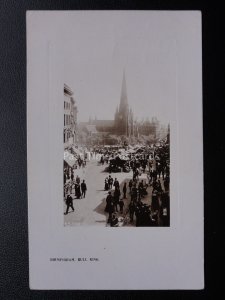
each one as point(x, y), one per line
point(69, 203)
point(77, 191)
point(83, 189)
point(159, 187)
point(165, 199)
point(106, 184)
point(121, 205)
point(72, 176)
point(155, 201)
point(166, 183)
point(110, 182)
point(144, 192)
point(131, 211)
point(79, 162)
point(151, 174)
point(77, 179)
point(134, 193)
point(155, 185)
point(116, 198)
point(137, 173)
point(140, 190)
point(109, 206)
point(116, 183)
point(138, 216)
point(154, 174)
point(109, 200)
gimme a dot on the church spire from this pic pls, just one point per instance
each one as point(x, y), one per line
point(123, 97)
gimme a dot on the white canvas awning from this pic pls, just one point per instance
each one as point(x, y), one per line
point(69, 158)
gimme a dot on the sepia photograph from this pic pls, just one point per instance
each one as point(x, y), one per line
point(116, 131)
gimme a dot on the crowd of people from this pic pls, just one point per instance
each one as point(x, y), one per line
point(153, 213)
point(73, 186)
point(137, 201)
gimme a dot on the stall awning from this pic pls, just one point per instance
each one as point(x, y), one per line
point(76, 151)
point(69, 158)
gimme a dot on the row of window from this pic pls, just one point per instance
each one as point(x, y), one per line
point(66, 105)
point(66, 136)
point(67, 120)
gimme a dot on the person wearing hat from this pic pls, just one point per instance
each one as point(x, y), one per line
point(125, 191)
point(109, 206)
point(110, 182)
point(121, 205)
point(134, 193)
point(155, 201)
point(77, 179)
point(131, 211)
point(77, 190)
point(69, 203)
point(116, 198)
point(83, 189)
point(116, 183)
point(106, 184)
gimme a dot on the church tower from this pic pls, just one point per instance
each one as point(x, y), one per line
point(116, 114)
point(122, 116)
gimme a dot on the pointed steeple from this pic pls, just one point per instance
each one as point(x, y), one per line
point(116, 113)
point(123, 97)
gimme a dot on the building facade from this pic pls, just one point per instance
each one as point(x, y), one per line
point(70, 118)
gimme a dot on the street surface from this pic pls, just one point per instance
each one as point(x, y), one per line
point(89, 211)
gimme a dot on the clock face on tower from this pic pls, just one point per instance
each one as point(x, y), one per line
point(121, 117)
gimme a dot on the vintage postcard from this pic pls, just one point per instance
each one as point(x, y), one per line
point(115, 159)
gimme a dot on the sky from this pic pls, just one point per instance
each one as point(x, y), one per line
point(99, 50)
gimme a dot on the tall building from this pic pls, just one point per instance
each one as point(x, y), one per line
point(70, 118)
